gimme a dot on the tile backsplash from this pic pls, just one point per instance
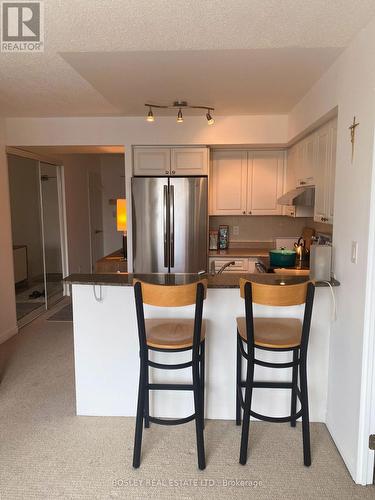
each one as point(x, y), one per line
point(264, 228)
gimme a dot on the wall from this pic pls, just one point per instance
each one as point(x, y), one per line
point(25, 210)
point(350, 84)
point(112, 169)
point(261, 228)
point(8, 320)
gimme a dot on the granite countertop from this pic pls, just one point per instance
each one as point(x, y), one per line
point(240, 252)
point(225, 280)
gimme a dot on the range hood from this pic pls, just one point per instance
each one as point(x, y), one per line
point(301, 196)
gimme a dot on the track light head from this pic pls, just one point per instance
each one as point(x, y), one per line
point(179, 116)
point(150, 116)
point(210, 120)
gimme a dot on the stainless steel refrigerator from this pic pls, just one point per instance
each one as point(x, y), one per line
point(169, 224)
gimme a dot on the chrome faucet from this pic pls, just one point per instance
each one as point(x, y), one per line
point(227, 264)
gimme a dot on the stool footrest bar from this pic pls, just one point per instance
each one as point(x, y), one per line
point(276, 419)
point(162, 366)
point(170, 387)
point(172, 421)
point(275, 365)
point(270, 385)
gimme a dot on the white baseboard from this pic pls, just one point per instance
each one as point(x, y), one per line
point(4, 336)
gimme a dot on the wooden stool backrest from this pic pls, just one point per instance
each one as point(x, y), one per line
point(170, 295)
point(276, 295)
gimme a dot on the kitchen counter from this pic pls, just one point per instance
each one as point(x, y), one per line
point(106, 350)
point(240, 252)
point(224, 280)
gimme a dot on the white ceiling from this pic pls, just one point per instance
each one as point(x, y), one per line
point(242, 56)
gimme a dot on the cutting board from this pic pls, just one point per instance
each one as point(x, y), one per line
point(307, 234)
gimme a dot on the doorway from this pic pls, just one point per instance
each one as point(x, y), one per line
point(36, 232)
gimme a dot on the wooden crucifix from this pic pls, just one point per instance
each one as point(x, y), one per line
point(352, 135)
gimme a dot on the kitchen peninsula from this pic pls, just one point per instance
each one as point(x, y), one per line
point(106, 346)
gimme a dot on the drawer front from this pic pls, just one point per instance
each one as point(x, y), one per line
point(240, 265)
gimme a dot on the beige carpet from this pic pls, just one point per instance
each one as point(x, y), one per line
point(46, 452)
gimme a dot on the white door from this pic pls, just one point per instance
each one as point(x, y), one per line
point(152, 161)
point(321, 173)
point(96, 218)
point(189, 161)
point(265, 182)
point(228, 182)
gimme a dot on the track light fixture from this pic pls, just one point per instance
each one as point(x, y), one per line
point(179, 105)
point(210, 120)
point(150, 116)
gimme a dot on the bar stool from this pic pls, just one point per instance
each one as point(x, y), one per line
point(274, 334)
point(170, 335)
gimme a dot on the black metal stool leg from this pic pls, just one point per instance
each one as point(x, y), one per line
point(238, 381)
point(202, 377)
point(147, 398)
point(305, 415)
point(247, 408)
point(140, 414)
point(198, 416)
point(293, 405)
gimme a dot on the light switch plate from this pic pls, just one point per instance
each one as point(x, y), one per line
point(354, 254)
point(236, 230)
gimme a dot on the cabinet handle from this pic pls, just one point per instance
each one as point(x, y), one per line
point(167, 172)
point(249, 212)
point(244, 212)
point(173, 172)
point(302, 183)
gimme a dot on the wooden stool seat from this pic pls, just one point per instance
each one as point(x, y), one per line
point(274, 333)
point(171, 333)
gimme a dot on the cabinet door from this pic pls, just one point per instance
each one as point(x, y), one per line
point(321, 173)
point(265, 182)
point(331, 171)
point(152, 161)
point(189, 161)
point(305, 164)
point(228, 182)
point(240, 265)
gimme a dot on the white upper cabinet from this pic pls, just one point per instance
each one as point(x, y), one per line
point(152, 161)
point(170, 161)
point(305, 161)
point(312, 161)
point(265, 182)
point(246, 182)
point(228, 183)
point(325, 172)
point(321, 177)
point(189, 161)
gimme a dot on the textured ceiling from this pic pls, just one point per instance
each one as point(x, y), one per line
point(48, 84)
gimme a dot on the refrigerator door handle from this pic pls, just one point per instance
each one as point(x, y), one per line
point(171, 219)
point(165, 226)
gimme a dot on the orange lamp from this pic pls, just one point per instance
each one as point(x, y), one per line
point(121, 215)
point(122, 222)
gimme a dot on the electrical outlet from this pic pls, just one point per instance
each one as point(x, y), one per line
point(354, 254)
point(236, 230)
